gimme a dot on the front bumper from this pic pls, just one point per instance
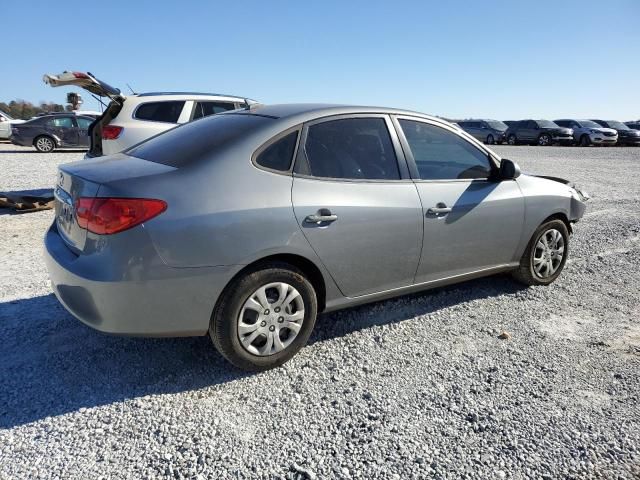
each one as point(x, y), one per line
point(599, 139)
point(147, 299)
point(563, 140)
point(629, 140)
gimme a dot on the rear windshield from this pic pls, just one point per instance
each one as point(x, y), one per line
point(191, 142)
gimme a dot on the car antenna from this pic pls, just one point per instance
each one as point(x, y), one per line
point(132, 92)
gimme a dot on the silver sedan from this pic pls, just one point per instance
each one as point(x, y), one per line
point(248, 224)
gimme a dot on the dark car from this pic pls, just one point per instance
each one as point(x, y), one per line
point(487, 131)
point(538, 132)
point(626, 135)
point(634, 125)
point(49, 132)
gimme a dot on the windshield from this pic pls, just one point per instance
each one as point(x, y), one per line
point(617, 125)
point(546, 124)
point(495, 124)
point(194, 141)
point(589, 124)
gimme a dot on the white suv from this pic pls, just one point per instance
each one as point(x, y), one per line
point(130, 119)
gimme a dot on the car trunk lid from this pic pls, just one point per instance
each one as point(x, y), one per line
point(94, 86)
point(91, 179)
point(68, 190)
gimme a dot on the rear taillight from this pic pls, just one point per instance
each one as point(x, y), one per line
point(111, 132)
point(106, 216)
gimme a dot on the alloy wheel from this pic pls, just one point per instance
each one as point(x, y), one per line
point(548, 253)
point(490, 140)
point(544, 140)
point(44, 144)
point(511, 140)
point(270, 319)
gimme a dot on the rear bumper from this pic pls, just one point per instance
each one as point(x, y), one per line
point(22, 141)
point(141, 300)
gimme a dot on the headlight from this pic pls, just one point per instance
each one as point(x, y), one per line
point(594, 131)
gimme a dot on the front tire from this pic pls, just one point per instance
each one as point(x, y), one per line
point(545, 256)
point(264, 317)
point(544, 140)
point(512, 140)
point(44, 144)
point(490, 140)
point(585, 141)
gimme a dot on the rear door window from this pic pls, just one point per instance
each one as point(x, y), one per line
point(443, 155)
point(351, 148)
point(168, 111)
point(204, 109)
point(61, 122)
point(84, 122)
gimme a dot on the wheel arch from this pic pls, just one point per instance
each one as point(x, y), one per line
point(306, 266)
point(55, 139)
point(559, 216)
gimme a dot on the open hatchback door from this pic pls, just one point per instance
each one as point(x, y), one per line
point(97, 87)
point(83, 80)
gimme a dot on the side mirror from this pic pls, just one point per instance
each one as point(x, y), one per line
point(508, 169)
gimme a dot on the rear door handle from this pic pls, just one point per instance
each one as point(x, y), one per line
point(439, 208)
point(323, 215)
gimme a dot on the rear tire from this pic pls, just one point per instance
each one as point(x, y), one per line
point(540, 265)
point(253, 326)
point(44, 144)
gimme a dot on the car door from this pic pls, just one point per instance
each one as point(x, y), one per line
point(471, 222)
point(476, 131)
point(526, 132)
point(83, 130)
point(355, 203)
point(64, 128)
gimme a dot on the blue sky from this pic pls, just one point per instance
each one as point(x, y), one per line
point(495, 59)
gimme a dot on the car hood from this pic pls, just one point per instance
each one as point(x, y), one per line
point(562, 130)
point(585, 196)
point(629, 133)
point(605, 130)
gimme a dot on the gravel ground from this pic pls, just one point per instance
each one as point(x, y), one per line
point(417, 387)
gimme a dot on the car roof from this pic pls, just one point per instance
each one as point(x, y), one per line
point(192, 95)
point(302, 112)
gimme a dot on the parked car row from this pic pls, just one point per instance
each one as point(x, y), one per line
point(558, 132)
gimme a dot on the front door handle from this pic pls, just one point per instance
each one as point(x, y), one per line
point(323, 215)
point(438, 209)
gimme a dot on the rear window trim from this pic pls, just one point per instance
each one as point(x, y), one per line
point(271, 141)
point(135, 111)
